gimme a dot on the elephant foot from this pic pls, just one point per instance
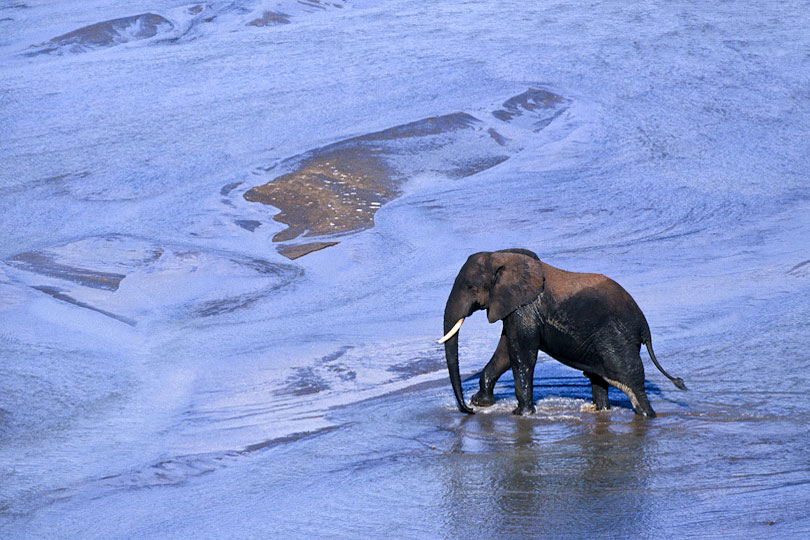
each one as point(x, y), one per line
point(648, 413)
point(599, 389)
point(482, 399)
point(523, 410)
point(641, 405)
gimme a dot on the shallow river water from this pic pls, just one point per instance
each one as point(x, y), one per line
point(175, 363)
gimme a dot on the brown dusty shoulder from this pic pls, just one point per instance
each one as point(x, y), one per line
point(565, 284)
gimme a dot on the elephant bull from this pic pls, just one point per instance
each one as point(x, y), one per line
point(586, 321)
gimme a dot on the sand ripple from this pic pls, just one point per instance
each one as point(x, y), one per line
point(127, 278)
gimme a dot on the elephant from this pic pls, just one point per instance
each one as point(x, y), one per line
point(586, 321)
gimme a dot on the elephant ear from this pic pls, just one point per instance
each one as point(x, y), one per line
point(517, 281)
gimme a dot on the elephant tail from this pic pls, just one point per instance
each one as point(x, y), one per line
point(677, 381)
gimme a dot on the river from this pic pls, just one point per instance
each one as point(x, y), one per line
point(176, 363)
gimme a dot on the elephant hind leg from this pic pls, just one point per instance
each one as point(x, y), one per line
point(637, 395)
point(624, 370)
point(599, 390)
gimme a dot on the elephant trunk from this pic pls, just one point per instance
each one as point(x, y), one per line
point(455, 311)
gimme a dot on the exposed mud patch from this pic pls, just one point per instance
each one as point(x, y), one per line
point(330, 373)
point(44, 264)
point(531, 100)
point(284, 11)
point(313, 4)
point(270, 18)
point(333, 191)
point(293, 252)
point(227, 188)
point(248, 224)
point(304, 382)
point(225, 305)
point(537, 106)
point(106, 34)
point(337, 189)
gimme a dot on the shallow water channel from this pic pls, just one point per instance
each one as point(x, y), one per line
point(188, 349)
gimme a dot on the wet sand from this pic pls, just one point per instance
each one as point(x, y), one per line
point(106, 34)
point(270, 18)
point(44, 264)
point(337, 189)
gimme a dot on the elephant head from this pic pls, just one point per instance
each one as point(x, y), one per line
point(499, 282)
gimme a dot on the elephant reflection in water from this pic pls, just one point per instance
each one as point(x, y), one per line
point(541, 477)
point(586, 321)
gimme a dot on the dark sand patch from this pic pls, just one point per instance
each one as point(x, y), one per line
point(59, 295)
point(43, 264)
point(106, 34)
point(248, 224)
point(226, 305)
point(333, 192)
point(227, 188)
point(542, 105)
point(338, 188)
point(270, 18)
point(293, 252)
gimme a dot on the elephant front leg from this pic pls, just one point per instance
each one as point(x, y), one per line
point(599, 390)
point(524, 389)
point(496, 367)
point(523, 344)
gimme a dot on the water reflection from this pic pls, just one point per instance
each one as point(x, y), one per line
point(531, 476)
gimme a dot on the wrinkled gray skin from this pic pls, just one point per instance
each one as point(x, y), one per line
point(586, 321)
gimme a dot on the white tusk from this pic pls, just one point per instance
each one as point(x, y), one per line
point(452, 331)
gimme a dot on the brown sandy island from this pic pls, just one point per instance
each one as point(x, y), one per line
point(106, 34)
point(270, 18)
point(337, 189)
